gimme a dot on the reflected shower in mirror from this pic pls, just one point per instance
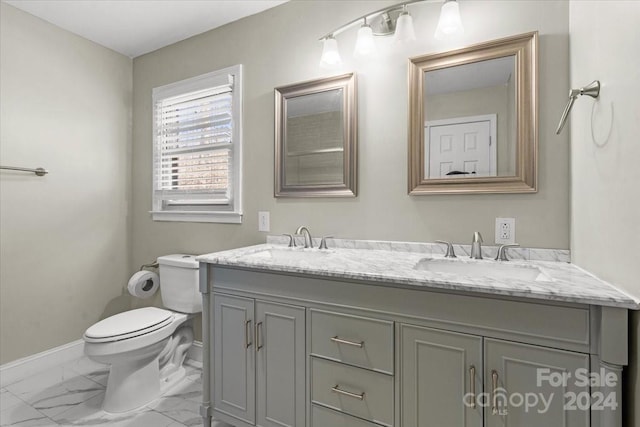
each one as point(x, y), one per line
point(314, 146)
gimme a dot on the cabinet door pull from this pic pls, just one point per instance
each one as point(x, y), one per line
point(494, 393)
point(247, 332)
point(259, 344)
point(337, 389)
point(339, 340)
point(472, 385)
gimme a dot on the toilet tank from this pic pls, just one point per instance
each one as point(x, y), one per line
point(179, 286)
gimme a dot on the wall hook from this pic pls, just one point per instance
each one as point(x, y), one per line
point(592, 90)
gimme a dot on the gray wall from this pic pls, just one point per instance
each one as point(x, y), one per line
point(279, 47)
point(64, 238)
point(605, 149)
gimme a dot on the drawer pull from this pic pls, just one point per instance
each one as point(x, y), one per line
point(494, 398)
point(472, 385)
point(247, 333)
point(259, 344)
point(339, 340)
point(337, 389)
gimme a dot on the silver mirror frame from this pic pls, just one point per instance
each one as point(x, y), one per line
point(348, 188)
point(525, 49)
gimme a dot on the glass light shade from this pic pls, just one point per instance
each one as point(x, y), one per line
point(404, 29)
point(450, 22)
point(365, 45)
point(330, 55)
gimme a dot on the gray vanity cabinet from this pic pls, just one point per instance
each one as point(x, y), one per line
point(296, 351)
point(234, 357)
point(351, 369)
point(437, 370)
point(514, 369)
point(445, 382)
point(259, 362)
point(321, 416)
point(280, 365)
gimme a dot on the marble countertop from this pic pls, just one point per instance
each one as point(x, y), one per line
point(392, 264)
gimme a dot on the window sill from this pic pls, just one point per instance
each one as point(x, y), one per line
point(191, 216)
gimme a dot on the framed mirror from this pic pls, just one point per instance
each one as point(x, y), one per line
point(316, 138)
point(473, 119)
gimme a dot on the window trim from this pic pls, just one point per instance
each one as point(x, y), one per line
point(233, 216)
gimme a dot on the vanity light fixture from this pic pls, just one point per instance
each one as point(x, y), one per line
point(449, 23)
point(330, 55)
point(404, 27)
point(365, 45)
point(394, 20)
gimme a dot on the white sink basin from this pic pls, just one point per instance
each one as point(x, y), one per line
point(489, 269)
point(289, 254)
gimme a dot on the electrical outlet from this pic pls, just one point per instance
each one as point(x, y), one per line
point(505, 230)
point(264, 221)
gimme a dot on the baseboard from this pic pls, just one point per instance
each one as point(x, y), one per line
point(194, 353)
point(39, 362)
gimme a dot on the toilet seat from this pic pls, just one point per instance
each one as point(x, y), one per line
point(129, 324)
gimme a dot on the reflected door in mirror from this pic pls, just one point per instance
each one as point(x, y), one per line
point(461, 148)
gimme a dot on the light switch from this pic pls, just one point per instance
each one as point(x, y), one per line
point(264, 221)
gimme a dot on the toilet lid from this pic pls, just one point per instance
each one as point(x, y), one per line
point(130, 323)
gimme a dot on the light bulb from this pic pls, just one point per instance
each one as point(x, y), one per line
point(365, 45)
point(450, 22)
point(330, 55)
point(404, 28)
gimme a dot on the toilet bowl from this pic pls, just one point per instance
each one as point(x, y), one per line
point(146, 347)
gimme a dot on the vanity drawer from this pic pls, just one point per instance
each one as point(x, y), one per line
point(356, 391)
point(360, 341)
point(325, 417)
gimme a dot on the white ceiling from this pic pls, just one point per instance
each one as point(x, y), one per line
point(317, 103)
point(136, 27)
point(493, 72)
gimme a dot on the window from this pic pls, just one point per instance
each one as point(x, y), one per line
point(197, 142)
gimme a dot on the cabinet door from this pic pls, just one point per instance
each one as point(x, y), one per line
point(280, 365)
point(440, 371)
point(234, 357)
point(521, 382)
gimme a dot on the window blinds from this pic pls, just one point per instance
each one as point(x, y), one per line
point(194, 148)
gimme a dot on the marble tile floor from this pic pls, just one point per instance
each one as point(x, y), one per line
point(71, 395)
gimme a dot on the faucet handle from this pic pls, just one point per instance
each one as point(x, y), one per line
point(450, 252)
point(292, 242)
point(477, 237)
point(323, 242)
point(502, 252)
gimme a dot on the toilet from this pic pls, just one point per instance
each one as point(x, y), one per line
point(146, 347)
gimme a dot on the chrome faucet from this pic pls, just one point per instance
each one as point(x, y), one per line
point(476, 246)
point(303, 230)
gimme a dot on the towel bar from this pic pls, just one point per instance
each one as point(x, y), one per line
point(37, 171)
